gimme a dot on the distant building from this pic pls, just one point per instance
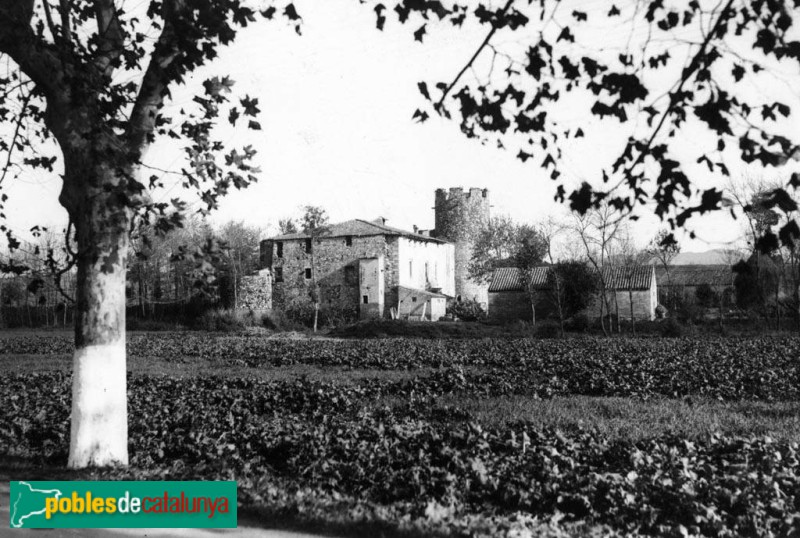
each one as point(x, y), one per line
point(364, 267)
point(374, 270)
point(508, 299)
point(460, 216)
point(684, 280)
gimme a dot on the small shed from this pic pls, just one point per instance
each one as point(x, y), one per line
point(631, 283)
point(418, 305)
point(508, 299)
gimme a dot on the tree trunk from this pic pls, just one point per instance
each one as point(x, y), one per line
point(602, 304)
point(633, 318)
point(99, 422)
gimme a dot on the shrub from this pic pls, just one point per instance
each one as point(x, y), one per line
point(547, 329)
point(470, 310)
point(300, 311)
point(578, 323)
point(706, 296)
point(337, 316)
point(221, 321)
point(671, 328)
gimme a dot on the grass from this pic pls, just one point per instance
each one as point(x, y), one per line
point(633, 419)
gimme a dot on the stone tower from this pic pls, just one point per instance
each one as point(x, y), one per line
point(459, 216)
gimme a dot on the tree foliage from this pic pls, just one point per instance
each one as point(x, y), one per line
point(684, 66)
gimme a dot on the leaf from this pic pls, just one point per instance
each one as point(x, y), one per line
point(419, 33)
point(423, 89)
point(380, 17)
point(291, 12)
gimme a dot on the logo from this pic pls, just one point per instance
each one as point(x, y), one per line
point(123, 504)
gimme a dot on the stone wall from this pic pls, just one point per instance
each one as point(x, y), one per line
point(335, 267)
point(255, 291)
point(459, 217)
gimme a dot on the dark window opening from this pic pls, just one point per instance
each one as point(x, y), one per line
point(350, 276)
point(348, 240)
point(366, 299)
point(308, 273)
point(413, 299)
point(280, 249)
point(279, 274)
point(308, 246)
point(458, 298)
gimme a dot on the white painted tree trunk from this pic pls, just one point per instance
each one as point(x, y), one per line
point(99, 428)
point(99, 421)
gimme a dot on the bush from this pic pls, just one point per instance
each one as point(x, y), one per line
point(337, 316)
point(221, 321)
point(301, 312)
point(671, 328)
point(547, 329)
point(470, 310)
point(579, 323)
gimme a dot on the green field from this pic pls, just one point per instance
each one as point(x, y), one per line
point(453, 437)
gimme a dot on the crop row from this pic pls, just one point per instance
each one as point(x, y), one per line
point(728, 369)
point(281, 438)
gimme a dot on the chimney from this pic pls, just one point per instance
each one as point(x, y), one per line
point(380, 220)
point(416, 230)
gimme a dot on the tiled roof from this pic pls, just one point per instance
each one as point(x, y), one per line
point(358, 228)
point(620, 278)
point(694, 275)
point(508, 279)
point(638, 277)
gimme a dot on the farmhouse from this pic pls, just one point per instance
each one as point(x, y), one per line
point(508, 299)
point(362, 266)
point(367, 268)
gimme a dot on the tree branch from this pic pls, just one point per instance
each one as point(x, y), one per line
point(20, 119)
point(155, 81)
point(36, 58)
point(109, 30)
point(483, 45)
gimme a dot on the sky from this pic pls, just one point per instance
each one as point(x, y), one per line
point(337, 105)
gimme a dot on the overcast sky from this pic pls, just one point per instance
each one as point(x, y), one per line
point(337, 132)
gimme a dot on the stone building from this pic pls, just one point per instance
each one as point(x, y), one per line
point(508, 299)
point(684, 280)
point(459, 216)
point(362, 267)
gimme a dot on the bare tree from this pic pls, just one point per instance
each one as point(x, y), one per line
point(597, 230)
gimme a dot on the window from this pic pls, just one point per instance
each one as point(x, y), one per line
point(279, 274)
point(348, 240)
point(366, 299)
point(413, 299)
point(308, 246)
point(458, 298)
point(280, 249)
point(350, 275)
point(308, 273)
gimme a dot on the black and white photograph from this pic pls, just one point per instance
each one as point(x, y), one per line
point(400, 268)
